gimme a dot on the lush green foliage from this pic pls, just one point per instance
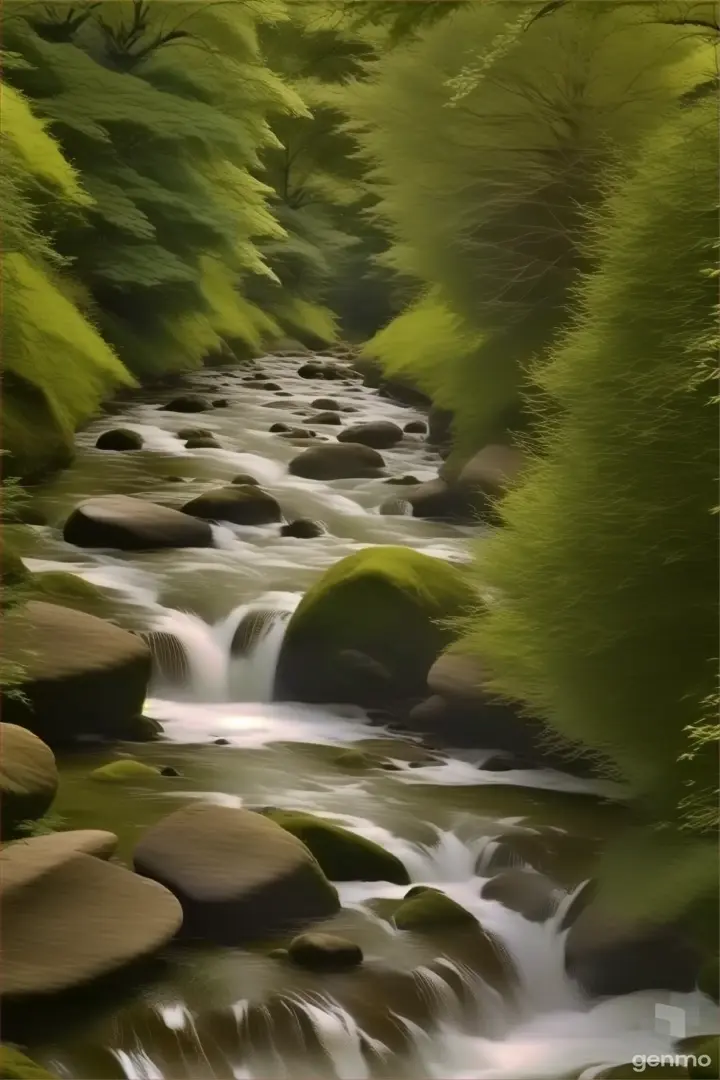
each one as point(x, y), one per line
point(486, 198)
point(606, 568)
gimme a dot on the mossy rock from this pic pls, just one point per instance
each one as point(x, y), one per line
point(343, 855)
point(387, 603)
point(425, 908)
point(125, 771)
point(16, 1066)
point(68, 590)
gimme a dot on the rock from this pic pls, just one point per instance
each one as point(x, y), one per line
point(324, 403)
point(12, 569)
point(253, 626)
point(187, 403)
point(242, 505)
point(440, 423)
point(404, 481)
point(69, 590)
point(302, 435)
point(325, 418)
point(68, 917)
point(279, 954)
point(80, 674)
point(202, 444)
point(58, 846)
point(129, 524)
point(415, 427)
point(221, 742)
point(312, 370)
point(337, 461)
point(169, 770)
point(245, 478)
point(276, 429)
point(28, 778)
point(221, 403)
point(379, 434)
point(395, 507)
point(324, 952)
point(195, 433)
point(343, 855)
point(30, 515)
point(16, 1066)
point(125, 771)
point(238, 876)
point(427, 909)
point(142, 729)
point(119, 439)
point(283, 393)
point(389, 604)
point(349, 670)
point(302, 529)
point(403, 392)
point(359, 761)
point(174, 479)
point(170, 661)
point(610, 956)
point(438, 501)
point(486, 476)
point(271, 386)
point(532, 895)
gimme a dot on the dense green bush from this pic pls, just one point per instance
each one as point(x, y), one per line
point(487, 141)
point(606, 568)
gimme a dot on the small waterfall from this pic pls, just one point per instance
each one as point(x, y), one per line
point(234, 660)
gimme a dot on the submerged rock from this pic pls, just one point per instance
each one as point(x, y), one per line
point(238, 876)
point(386, 604)
point(69, 917)
point(531, 895)
point(237, 503)
point(187, 403)
point(325, 403)
point(343, 855)
point(204, 443)
point(125, 771)
point(379, 434)
point(80, 674)
point(403, 481)
point(28, 778)
point(324, 952)
point(245, 478)
point(119, 439)
point(415, 427)
point(302, 529)
point(325, 418)
point(425, 909)
point(337, 461)
point(221, 403)
point(129, 524)
point(251, 629)
point(195, 433)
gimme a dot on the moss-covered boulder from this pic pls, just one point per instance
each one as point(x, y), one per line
point(240, 504)
point(130, 524)
point(324, 952)
point(80, 674)
point(28, 778)
point(343, 855)
point(69, 917)
point(16, 1066)
point(387, 603)
point(426, 909)
point(238, 876)
point(119, 439)
point(125, 771)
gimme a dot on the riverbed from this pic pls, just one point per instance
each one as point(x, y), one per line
point(232, 1013)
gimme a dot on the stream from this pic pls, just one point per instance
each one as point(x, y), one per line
point(418, 1008)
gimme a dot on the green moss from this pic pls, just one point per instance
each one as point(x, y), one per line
point(343, 855)
point(126, 771)
point(388, 603)
point(12, 568)
point(426, 909)
point(16, 1066)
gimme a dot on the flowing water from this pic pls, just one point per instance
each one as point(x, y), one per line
point(418, 1007)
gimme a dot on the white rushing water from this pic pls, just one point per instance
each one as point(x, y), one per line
point(222, 614)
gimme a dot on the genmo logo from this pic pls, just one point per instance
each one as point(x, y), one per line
point(674, 1020)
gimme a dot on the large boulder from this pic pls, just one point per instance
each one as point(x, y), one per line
point(241, 504)
point(343, 855)
point(438, 501)
point(68, 590)
point(487, 475)
point(79, 674)
point(532, 895)
point(610, 955)
point(425, 909)
point(385, 603)
point(28, 778)
point(68, 917)
point(238, 876)
point(338, 461)
point(379, 434)
point(120, 521)
point(119, 439)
